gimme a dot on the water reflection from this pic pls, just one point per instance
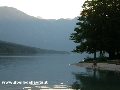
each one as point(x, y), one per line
point(8, 62)
point(52, 68)
point(97, 80)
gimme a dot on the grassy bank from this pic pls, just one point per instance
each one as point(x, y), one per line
point(101, 60)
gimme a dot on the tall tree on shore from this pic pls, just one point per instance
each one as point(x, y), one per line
point(98, 27)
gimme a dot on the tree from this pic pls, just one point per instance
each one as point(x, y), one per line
point(98, 27)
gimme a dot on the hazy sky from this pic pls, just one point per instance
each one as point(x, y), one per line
point(47, 9)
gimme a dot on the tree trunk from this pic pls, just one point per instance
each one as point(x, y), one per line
point(101, 54)
point(94, 55)
point(118, 55)
point(111, 55)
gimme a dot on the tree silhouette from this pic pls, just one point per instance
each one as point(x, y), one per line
point(98, 28)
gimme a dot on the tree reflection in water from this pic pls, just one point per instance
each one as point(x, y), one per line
point(94, 79)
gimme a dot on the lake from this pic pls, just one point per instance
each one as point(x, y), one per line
point(53, 69)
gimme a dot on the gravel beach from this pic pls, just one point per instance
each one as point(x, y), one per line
point(101, 66)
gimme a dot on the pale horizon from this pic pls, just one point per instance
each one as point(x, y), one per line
point(47, 9)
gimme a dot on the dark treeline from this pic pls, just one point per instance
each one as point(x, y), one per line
point(11, 48)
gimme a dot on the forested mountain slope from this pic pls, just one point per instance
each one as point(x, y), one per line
point(12, 48)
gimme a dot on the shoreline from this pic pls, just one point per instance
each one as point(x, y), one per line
point(100, 66)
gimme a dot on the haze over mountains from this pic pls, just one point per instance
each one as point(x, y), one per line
point(18, 27)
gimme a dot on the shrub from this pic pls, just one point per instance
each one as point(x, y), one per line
point(101, 59)
point(89, 59)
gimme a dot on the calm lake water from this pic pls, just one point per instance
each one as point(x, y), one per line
point(54, 69)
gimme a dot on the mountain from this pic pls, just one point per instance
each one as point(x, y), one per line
point(18, 27)
point(12, 48)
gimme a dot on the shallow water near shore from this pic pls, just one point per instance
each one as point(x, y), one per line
point(53, 69)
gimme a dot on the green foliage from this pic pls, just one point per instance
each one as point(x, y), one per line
point(102, 59)
point(89, 59)
point(98, 28)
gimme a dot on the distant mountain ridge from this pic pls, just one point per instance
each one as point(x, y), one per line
point(18, 27)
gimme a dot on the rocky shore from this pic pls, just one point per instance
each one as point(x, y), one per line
point(101, 66)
